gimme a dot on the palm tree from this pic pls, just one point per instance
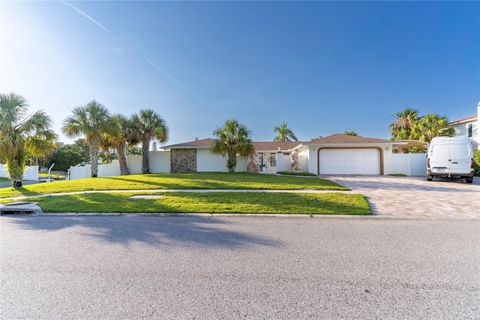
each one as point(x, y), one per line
point(22, 134)
point(119, 139)
point(284, 133)
point(405, 126)
point(149, 125)
point(432, 125)
point(350, 133)
point(233, 139)
point(93, 121)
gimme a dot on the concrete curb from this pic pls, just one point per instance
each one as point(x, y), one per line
point(259, 215)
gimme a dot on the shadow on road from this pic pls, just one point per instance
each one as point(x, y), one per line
point(152, 230)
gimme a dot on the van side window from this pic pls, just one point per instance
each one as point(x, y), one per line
point(470, 130)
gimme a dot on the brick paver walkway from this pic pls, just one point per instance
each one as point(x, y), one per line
point(414, 196)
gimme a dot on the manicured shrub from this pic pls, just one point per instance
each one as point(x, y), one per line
point(476, 159)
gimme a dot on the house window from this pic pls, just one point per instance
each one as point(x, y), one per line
point(272, 160)
point(470, 130)
point(260, 158)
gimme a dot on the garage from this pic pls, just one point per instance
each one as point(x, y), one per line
point(345, 160)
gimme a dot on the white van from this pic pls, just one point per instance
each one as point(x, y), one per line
point(450, 157)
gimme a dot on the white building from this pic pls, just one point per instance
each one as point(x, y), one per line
point(469, 127)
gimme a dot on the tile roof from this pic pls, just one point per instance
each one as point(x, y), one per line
point(259, 146)
point(467, 119)
point(271, 145)
point(344, 138)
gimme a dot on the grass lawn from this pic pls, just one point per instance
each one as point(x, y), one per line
point(211, 202)
point(53, 175)
point(178, 181)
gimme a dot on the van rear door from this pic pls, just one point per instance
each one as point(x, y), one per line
point(439, 156)
point(460, 157)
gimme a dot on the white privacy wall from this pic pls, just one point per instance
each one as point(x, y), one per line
point(410, 164)
point(159, 163)
point(211, 162)
point(30, 173)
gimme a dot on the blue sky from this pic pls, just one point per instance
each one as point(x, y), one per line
point(322, 67)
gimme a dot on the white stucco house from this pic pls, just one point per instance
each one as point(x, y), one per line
point(470, 127)
point(335, 154)
point(331, 155)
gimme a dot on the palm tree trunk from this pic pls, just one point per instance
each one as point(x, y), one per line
point(145, 155)
point(15, 170)
point(94, 147)
point(122, 159)
point(232, 161)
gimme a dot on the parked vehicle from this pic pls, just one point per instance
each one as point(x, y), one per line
point(450, 157)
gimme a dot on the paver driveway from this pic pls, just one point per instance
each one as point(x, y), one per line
point(414, 196)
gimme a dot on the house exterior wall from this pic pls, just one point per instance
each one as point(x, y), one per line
point(183, 160)
point(207, 161)
point(461, 129)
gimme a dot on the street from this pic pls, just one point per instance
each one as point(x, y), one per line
point(199, 267)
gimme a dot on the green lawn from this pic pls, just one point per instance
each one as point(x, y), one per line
point(211, 202)
point(53, 175)
point(178, 181)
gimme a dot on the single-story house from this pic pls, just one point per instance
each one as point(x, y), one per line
point(332, 155)
point(470, 127)
point(335, 154)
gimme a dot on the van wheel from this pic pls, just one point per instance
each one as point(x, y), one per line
point(429, 178)
point(469, 179)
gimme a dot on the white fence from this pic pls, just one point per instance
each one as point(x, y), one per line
point(410, 164)
point(30, 173)
point(159, 163)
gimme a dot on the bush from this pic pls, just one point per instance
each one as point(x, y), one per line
point(476, 159)
point(291, 173)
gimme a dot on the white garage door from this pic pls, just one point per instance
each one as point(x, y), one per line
point(349, 161)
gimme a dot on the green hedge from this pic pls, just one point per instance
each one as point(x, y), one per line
point(476, 158)
point(291, 173)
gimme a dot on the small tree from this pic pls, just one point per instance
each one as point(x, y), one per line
point(350, 133)
point(119, 139)
point(22, 134)
point(94, 123)
point(148, 125)
point(433, 125)
point(405, 125)
point(232, 139)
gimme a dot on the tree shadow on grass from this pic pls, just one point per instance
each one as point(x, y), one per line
point(156, 231)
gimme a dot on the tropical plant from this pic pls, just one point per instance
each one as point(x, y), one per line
point(67, 156)
point(232, 139)
point(284, 133)
point(409, 125)
point(405, 125)
point(476, 160)
point(433, 125)
point(92, 121)
point(148, 125)
point(119, 140)
point(22, 134)
point(350, 133)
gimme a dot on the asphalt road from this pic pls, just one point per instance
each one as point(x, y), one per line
point(143, 267)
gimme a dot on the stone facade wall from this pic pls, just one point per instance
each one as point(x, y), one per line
point(183, 160)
